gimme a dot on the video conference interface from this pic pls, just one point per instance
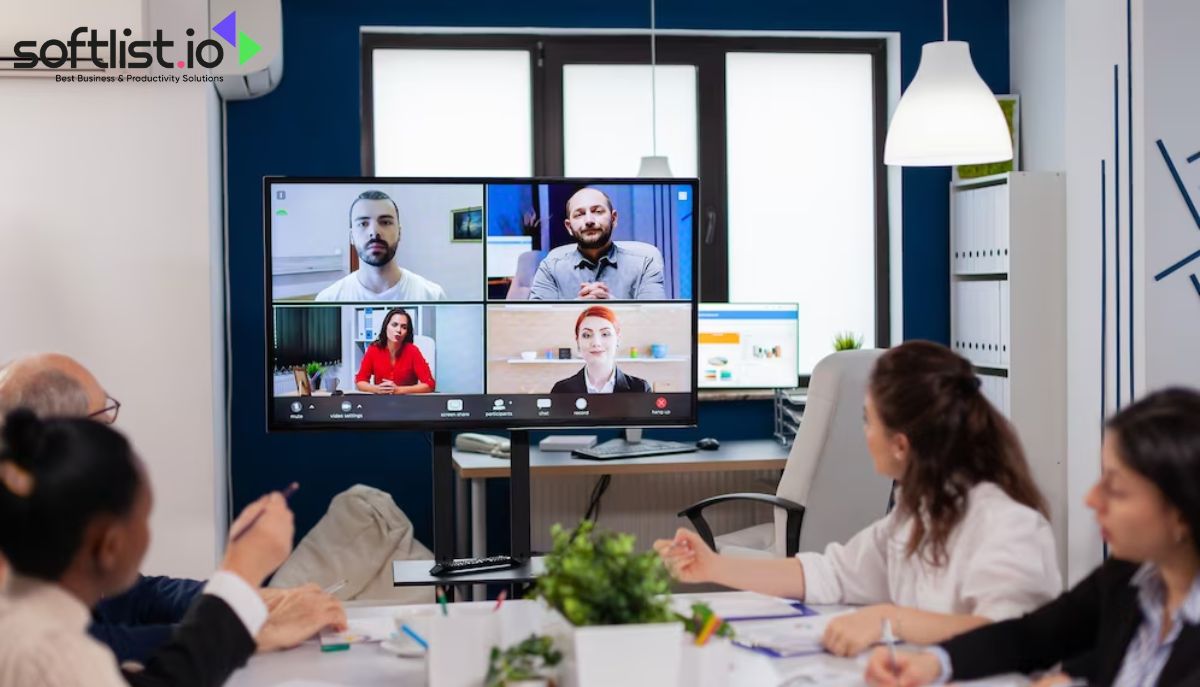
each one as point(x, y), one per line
point(480, 303)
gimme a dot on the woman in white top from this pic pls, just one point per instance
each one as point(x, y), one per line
point(967, 543)
point(74, 525)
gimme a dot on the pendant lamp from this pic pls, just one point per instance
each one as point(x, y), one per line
point(654, 165)
point(948, 115)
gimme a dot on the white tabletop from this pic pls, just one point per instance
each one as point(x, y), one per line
point(368, 665)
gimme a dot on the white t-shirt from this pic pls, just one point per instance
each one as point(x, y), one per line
point(411, 287)
point(1000, 563)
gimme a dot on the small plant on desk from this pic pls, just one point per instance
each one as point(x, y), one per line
point(847, 341)
point(593, 577)
point(529, 661)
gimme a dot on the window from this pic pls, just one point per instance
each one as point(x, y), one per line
point(785, 134)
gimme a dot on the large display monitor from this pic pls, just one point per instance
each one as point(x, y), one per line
point(475, 303)
point(748, 346)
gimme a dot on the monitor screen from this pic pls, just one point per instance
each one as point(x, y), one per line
point(476, 303)
point(748, 346)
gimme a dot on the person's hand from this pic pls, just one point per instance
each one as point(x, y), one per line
point(687, 557)
point(387, 386)
point(909, 670)
point(265, 546)
point(1054, 680)
point(297, 615)
point(271, 597)
point(852, 633)
point(595, 290)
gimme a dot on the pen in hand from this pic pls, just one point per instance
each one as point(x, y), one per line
point(291, 489)
point(890, 639)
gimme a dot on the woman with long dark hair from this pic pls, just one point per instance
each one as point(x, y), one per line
point(1135, 621)
point(967, 543)
point(392, 363)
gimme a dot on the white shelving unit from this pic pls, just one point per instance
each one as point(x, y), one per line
point(1008, 311)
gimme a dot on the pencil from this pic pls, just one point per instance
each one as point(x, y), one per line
point(287, 493)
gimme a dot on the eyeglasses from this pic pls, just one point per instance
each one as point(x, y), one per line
point(107, 414)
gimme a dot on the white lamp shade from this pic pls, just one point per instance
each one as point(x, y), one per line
point(655, 167)
point(948, 115)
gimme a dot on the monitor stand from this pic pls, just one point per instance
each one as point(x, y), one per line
point(445, 563)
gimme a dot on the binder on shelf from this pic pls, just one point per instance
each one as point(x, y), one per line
point(1005, 324)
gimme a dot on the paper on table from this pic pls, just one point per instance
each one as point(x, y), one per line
point(748, 605)
point(783, 636)
point(360, 630)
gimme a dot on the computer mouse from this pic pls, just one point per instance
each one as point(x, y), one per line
point(708, 444)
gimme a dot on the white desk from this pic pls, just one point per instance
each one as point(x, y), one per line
point(368, 665)
point(476, 468)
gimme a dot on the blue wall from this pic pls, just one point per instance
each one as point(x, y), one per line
point(310, 126)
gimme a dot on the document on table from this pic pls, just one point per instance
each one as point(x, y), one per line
point(783, 637)
point(360, 630)
point(746, 605)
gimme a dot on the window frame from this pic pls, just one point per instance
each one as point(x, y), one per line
point(550, 52)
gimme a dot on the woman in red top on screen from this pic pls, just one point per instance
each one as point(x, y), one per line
point(392, 363)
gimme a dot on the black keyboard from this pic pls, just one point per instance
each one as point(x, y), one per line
point(619, 448)
point(467, 565)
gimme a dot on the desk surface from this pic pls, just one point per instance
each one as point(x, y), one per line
point(733, 456)
point(415, 573)
point(368, 665)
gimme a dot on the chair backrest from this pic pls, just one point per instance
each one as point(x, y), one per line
point(428, 349)
point(829, 470)
point(527, 264)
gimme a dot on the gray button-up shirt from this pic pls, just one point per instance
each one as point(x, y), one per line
point(632, 270)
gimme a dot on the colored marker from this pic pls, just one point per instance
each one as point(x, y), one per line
point(500, 599)
point(415, 637)
point(441, 599)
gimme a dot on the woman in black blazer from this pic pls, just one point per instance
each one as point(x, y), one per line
point(598, 337)
point(1135, 621)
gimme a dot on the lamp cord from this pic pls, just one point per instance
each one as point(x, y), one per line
point(945, 20)
point(653, 86)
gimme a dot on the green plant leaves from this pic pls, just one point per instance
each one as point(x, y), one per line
point(594, 577)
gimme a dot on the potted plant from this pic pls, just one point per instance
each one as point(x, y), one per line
point(847, 341)
point(529, 663)
point(618, 602)
point(314, 370)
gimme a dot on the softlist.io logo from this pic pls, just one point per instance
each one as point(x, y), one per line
point(89, 47)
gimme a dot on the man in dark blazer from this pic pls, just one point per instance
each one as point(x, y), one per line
point(576, 384)
point(183, 635)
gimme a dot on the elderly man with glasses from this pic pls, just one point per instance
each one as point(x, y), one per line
point(142, 619)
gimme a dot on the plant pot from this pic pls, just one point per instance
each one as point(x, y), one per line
point(628, 655)
point(708, 665)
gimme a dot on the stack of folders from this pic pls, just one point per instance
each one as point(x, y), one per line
point(779, 628)
point(980, 227)
point(981, 330)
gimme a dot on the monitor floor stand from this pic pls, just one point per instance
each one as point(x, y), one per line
point(443, 503)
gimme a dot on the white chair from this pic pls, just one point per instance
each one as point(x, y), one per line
point(829, 489)
point(527, 265)
point(428, 349)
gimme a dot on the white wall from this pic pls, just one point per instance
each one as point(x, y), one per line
point(1070, 47)
point(1037, 72)
point(108, 225)
point(1168, 76)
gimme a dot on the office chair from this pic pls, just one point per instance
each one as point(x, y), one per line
point(829, 489)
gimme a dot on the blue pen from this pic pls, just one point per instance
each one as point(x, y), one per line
point(415, 637)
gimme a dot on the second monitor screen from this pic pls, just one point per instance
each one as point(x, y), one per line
point(507, 290)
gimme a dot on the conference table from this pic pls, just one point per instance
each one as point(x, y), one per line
point(369, 665)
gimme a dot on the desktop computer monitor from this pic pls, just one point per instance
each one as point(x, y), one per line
point(480, 303)
point(748, 346)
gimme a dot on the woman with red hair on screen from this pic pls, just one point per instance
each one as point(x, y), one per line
point(393, 364)
point(598, 336)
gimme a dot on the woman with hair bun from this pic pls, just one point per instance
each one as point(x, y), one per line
point(74, 525)
point(967, 544)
